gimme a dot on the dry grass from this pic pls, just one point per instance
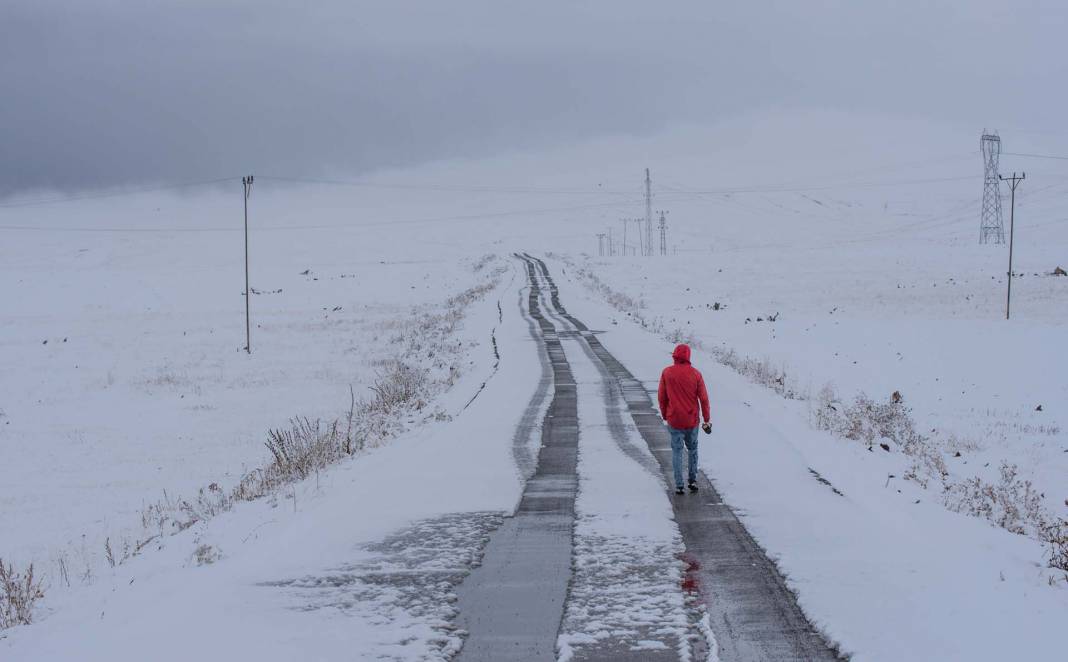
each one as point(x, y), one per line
point(19, 591)
point(303, 448)
point(760, 371)
point(1011, 503)
point(484, 261)
point(1055, 534)
point(206, 555)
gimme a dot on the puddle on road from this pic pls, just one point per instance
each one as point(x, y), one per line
point(406, 591)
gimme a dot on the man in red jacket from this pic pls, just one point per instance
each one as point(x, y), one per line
point(681, 390)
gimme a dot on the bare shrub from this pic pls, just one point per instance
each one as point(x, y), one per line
point(619, 300)
point(1036, 429)
point(206, 555)
point(402, 385)
point(826, 407)
point(927, 462)
point(1055, 534)
point(1012, 503)
point(399, 389)
point(868, 421)
point(108, 554)
point(956, 443)
point(483, 261)
point(473, 294)
point(302, 448)
point(677, 335)
point(18, 593)
point(760, 371)
point(61, 564)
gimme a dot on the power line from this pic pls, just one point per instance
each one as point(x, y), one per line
point(823, 187)
point(1037, 156)
point(462, 188)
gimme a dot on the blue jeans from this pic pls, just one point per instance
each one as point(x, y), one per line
point(678, 438)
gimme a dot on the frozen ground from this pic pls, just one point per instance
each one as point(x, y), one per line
point(863, 248)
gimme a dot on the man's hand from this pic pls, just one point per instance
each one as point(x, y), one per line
point(707, 427)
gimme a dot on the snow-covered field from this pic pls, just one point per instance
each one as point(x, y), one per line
point(123, 375)
point(925, 321)
point(125, 382)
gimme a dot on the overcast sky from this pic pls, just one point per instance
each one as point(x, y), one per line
point(112, 92)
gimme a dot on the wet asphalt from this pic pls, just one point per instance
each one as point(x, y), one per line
point(512, 605)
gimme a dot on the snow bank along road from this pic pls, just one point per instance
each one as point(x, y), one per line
point(599, 562)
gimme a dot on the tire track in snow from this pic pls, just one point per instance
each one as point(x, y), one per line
point(622, 430)
point(523, 449)
point(625, 601)
point(511, 606)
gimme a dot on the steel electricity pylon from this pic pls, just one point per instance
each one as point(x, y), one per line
point(663, 232)
point(990, 223)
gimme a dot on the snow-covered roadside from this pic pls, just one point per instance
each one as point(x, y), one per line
point(886, 572)
point(983, 450)
point(249, 601)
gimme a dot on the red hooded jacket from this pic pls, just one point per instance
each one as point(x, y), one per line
point(681, 389)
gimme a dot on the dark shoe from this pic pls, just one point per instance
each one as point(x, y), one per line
point(679, 490)
point(693, 485)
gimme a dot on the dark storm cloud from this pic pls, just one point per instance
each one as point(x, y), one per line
point(100, 93)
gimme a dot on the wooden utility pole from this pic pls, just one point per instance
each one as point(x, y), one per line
point(1014, 181)
point(246, 184)
point(647, 249)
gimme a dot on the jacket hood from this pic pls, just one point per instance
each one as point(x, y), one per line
point(681, 354)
